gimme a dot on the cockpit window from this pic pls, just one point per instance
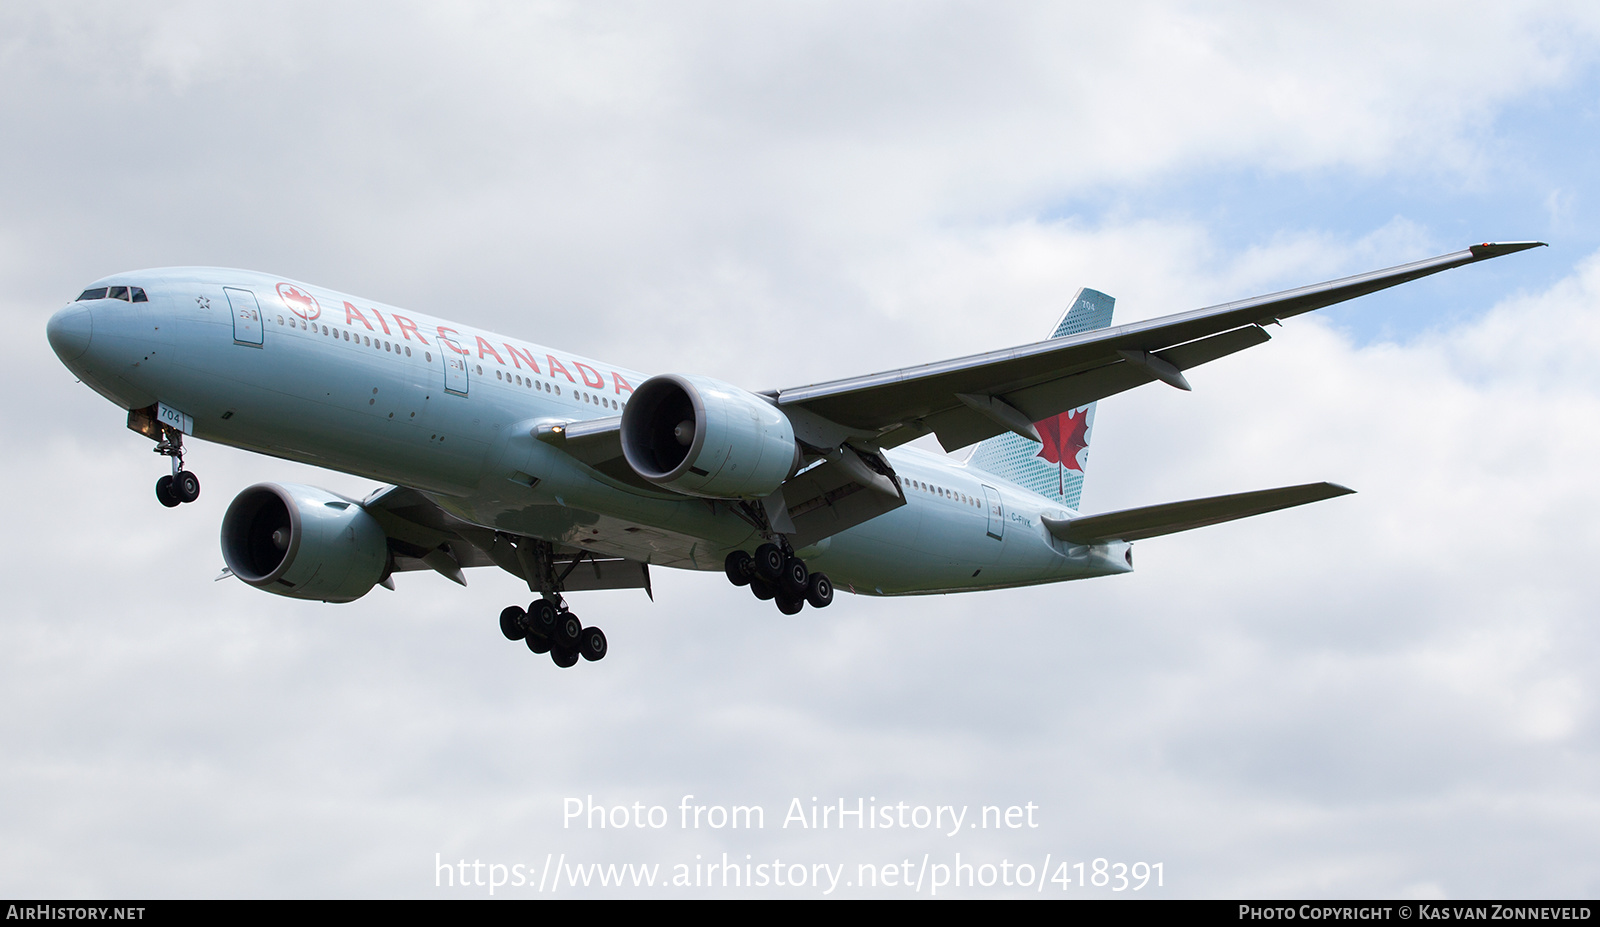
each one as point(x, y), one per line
point(132, 294)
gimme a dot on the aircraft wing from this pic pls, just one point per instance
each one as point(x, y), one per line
point(423, 536)
point(968, 399)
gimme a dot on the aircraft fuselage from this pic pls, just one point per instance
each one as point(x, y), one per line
point(319, 377)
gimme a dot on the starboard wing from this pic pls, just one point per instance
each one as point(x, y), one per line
point(968, 399)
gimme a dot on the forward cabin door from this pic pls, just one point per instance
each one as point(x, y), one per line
point(247, 326)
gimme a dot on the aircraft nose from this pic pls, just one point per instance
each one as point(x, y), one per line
point(69, 331)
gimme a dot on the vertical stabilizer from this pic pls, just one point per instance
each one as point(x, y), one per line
point(1054, 469)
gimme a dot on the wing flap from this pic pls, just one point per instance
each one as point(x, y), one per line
point(844, 491)
point(604, 573)
point(423, 536)
point(960, 425)
point(1169, 518)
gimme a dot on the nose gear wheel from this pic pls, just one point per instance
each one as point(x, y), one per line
point(182, 485)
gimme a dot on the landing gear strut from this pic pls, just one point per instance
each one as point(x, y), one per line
point(776, 573)
point(181, 486)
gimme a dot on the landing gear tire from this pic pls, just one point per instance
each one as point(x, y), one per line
point(819, 590)
point(739, 566)
point(769, 563)
point(164, 493)
point(563, 657)
point(568, 633)
point(185, 486)
point(762, 590)
point(789, 605)
point(592, 644)
point(537, 644)
point(542, 615)
point(511, 623)
point(795, 575)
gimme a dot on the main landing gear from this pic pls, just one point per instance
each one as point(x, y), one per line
point(182, 486)
point(780, 576)
point(547, 627)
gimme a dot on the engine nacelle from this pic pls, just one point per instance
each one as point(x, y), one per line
point(303, 542)
point(703, 437)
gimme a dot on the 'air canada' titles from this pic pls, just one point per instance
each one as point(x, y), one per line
point(307, 307)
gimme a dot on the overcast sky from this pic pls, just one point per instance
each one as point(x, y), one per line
point(1388, 694)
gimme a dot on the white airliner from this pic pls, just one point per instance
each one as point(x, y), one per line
point(575, 474)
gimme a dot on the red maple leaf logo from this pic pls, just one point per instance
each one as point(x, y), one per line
point(1064, 436)
point(301, 304)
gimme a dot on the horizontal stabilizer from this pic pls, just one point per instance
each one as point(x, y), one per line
point(1170, 518)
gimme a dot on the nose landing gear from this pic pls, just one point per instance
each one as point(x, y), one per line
point(181, 486)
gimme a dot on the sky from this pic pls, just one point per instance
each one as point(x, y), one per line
point(1390, 694)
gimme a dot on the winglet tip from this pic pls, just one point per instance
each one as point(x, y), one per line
point(1493, 249)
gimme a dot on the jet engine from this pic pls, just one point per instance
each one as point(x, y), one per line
point(303, 542)
point(703, 437)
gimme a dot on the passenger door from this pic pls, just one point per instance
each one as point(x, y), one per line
point(997, 512)
point(247, 328)
point(455, 370)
